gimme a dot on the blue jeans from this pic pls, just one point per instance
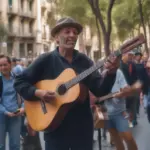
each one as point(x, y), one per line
point(145, 99)
point(148, 105)
point(12, 126)
point(118, 122)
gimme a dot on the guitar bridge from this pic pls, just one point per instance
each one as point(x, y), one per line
point(43, 106)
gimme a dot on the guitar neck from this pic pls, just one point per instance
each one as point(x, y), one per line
point(83, 75)
point(123, 49)
point(103, 98)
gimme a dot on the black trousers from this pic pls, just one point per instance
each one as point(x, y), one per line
point(32, 143)
point(49, 146)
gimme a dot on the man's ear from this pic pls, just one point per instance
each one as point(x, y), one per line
point(56, 38)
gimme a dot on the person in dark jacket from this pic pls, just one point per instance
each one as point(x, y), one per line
point(76, 130)
point(142, 75)
point(147, 105)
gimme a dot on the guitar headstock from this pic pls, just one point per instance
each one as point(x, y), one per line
point(126, 47)
point(130, 45)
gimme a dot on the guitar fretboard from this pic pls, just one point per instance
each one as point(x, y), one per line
point(123, 49)
point(83, 75)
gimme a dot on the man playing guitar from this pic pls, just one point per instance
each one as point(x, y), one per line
point(76, 130)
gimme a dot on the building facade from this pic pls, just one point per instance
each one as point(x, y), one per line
point(27, 25)
point(19, 17)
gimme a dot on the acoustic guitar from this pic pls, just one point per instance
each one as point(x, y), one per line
point(48, 116)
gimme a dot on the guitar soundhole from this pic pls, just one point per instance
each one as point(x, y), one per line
point(62, 89)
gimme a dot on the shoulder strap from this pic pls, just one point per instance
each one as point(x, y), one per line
point(1, 87)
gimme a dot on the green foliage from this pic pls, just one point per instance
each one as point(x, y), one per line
point(80, 10)
point(125, 14)
point(146, 10)
point(126, 17)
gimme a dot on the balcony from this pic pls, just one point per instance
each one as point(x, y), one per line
point(18, 32)
point(12, 11)
point(27, 15)
point(13, 32)
point(25, 34)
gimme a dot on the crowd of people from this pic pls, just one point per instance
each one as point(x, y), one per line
point(12, 114)
point(76, 130)
point(135, 67)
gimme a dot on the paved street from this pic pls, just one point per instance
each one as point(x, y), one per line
point(141, 134)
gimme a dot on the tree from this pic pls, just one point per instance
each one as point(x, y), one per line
point(143, 23)
point(106, 26)
point(125, 23)
point(146, 13)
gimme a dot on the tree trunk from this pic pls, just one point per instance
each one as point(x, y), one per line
point(132, 33)
point(106, 28)
point(149, 31)
point(99, 38)
point(143, 23)
point(107, 44)
point(139, 29)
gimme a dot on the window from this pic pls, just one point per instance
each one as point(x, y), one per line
point(30, 5)
point(22, 4)
point(9, 49)
point(44, 32)
point(22, 27)
point(45, 48)
point(22, 50)
point(10, 2)
point(30, 27)
point(30, 50)
point(10, 25)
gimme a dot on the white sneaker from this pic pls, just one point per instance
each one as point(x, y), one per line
point(130, 124)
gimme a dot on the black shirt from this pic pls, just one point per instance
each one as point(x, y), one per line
point(77, 127)
point(143, 76)
point(131, 77)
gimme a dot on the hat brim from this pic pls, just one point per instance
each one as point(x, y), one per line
point(130, 53)
point(57, 28)
point(136, 54)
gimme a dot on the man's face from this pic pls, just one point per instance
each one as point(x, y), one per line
point(130, 57)
point(5, 66)
point(67, 37)
point(138, 57)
